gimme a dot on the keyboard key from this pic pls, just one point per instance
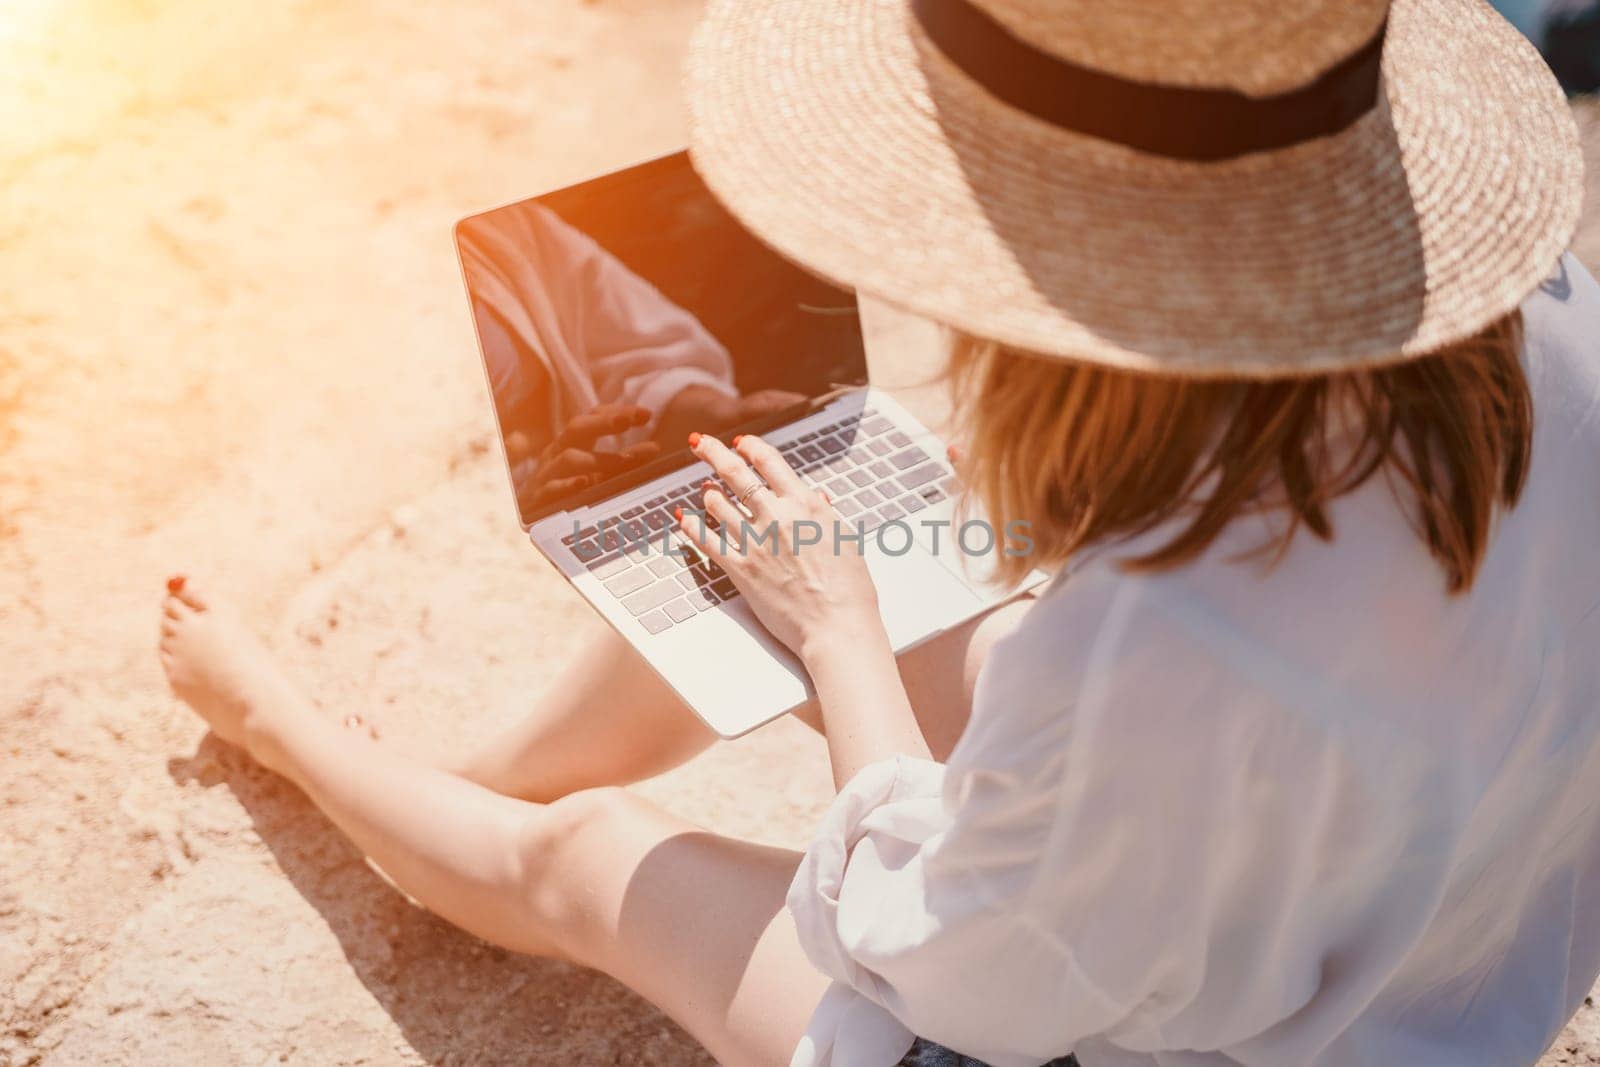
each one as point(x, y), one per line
point(861, 478)
point(682, 490)
point(587, 550)
point(625, 583)
point(656, 520)
point(911, 502)
point(655, 501)
point(921, 476)
point(809, 436)
point(810, 453)
point(567, 540)
point(836, 465)
point(610, 540)
point(633, 512)
point(687, 579)
point(899, 440)
point(661, 566)
point(860, 455)
point(932, 494)
point(724, 588)
point(876, 425)
point(881, 469)
point(680, 609)
point(868, 498)
point(703, 599)
point(891, 511)
point(847, 508)
point(651, 598)
point(831, 445)
point(832, 426)
point(655, 622)
point(634, 530)
point(839, 487)
point(609, 565)
point(879, 447)
point(909, 458)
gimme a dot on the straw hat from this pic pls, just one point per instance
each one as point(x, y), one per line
point(1200, 187)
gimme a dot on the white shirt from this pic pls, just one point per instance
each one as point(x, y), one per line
point(1321, 814)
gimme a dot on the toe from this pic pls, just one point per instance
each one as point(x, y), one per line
point(188, 593)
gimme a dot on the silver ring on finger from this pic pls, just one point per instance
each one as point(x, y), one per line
point(750, 491)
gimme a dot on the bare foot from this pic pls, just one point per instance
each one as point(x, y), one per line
point(219, 668)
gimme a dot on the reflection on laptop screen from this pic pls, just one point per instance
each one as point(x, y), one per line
point(617, 315)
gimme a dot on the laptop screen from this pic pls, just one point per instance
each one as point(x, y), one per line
point(617, 315)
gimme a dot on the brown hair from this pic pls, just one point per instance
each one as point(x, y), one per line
point(1090, 455)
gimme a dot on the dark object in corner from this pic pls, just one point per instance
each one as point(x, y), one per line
point(1571, 36)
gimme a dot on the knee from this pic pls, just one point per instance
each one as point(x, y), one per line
point(561, 851)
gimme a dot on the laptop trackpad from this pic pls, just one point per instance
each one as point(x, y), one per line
point(917, 596)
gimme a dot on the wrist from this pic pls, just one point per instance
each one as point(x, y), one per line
point(846, 636)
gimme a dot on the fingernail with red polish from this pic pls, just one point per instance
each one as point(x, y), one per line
point(677, 513)
point(694, 440)
point(737, 438)
point(175, 584)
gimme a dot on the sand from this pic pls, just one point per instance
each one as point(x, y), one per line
point(232, 342)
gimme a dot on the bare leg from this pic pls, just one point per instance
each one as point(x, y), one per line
point(610, 720)
point(692, 921)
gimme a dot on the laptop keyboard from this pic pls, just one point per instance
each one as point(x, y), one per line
point(868, 467)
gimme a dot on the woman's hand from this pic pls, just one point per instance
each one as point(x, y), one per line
point(806, 588)
point(573, 461)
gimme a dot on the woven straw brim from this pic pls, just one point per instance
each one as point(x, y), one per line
point(837, 133)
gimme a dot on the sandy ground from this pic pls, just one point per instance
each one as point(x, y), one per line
point(232, 341)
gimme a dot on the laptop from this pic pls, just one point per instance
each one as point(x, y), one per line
point(617, 315)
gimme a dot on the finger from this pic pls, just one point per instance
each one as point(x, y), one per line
point(570, 462)
point(518, 447)
point(171, 609)
point(602, 421)
point(767, 402)
point(552, 491)
point(700, 533)
point(640, 452)
point(728, 464)
point(720, 506)
point(770, 464)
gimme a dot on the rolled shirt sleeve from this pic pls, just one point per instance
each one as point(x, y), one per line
point(914, 920)
point(1135, 847)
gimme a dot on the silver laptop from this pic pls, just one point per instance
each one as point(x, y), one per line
point(617, 315)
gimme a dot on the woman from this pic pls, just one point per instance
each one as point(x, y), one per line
point(1264, 327)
